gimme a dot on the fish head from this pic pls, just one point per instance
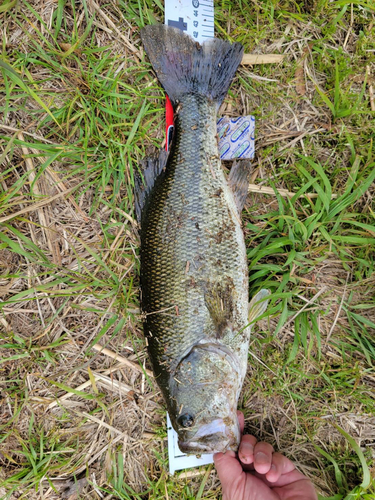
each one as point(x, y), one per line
point(205, 389)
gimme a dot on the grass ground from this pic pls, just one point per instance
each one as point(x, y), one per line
point(79, 107)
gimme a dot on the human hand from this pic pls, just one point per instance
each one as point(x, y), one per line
point(258, 473)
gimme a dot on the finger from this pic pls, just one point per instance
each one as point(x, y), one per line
point(262, 457)
point(302, 489)
point(241, 420)
point(280, 465)
point(246, 449)
point(284, 479)
point(228, 468)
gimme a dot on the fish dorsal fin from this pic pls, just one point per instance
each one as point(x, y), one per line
point(258, 305)
point(238, 181)
point(151, 168)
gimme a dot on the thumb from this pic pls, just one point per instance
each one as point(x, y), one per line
point(228, 468)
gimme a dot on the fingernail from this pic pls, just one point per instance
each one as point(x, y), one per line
point(273, 467)
point(247, 448)
point(261, 458)
point(246, 452)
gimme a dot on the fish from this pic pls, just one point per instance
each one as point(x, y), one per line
point(193, 268)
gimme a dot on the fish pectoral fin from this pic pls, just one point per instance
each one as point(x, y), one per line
point(238, 181)
point(144, 180)
point(219, 302)
point(258, 305)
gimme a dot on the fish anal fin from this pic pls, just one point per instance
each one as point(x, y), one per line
point(238, 181)
point(150, 169)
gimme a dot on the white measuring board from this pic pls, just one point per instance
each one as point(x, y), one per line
point(195, 17)
point(179, 460)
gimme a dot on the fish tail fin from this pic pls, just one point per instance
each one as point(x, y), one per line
point(185, 67)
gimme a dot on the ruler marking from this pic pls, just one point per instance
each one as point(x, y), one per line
point(194, 17)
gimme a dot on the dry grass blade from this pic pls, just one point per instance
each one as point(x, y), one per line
point(254, 188)
point(37, 205)
point(45, 219)
point(338, 311)
point(308, 303)
point(371, 90)
point(110, 23)
point(83, 386)
point(31, 134)
point(250, 59)
point(58, 183)
point(112, 384)
point(121, 359)
point(300, 79)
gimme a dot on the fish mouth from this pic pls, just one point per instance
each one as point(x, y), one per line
point(214, 437)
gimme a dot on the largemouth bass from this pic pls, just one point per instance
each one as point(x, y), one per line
point(194, 272)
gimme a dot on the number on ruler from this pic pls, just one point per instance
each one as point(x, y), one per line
point(178, 24)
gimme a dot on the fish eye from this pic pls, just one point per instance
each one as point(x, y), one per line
point(185, 420)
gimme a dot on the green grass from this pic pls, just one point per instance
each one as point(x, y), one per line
point(89, 109)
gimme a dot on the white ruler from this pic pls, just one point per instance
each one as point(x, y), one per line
point(195, 17)
point(179, 460)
